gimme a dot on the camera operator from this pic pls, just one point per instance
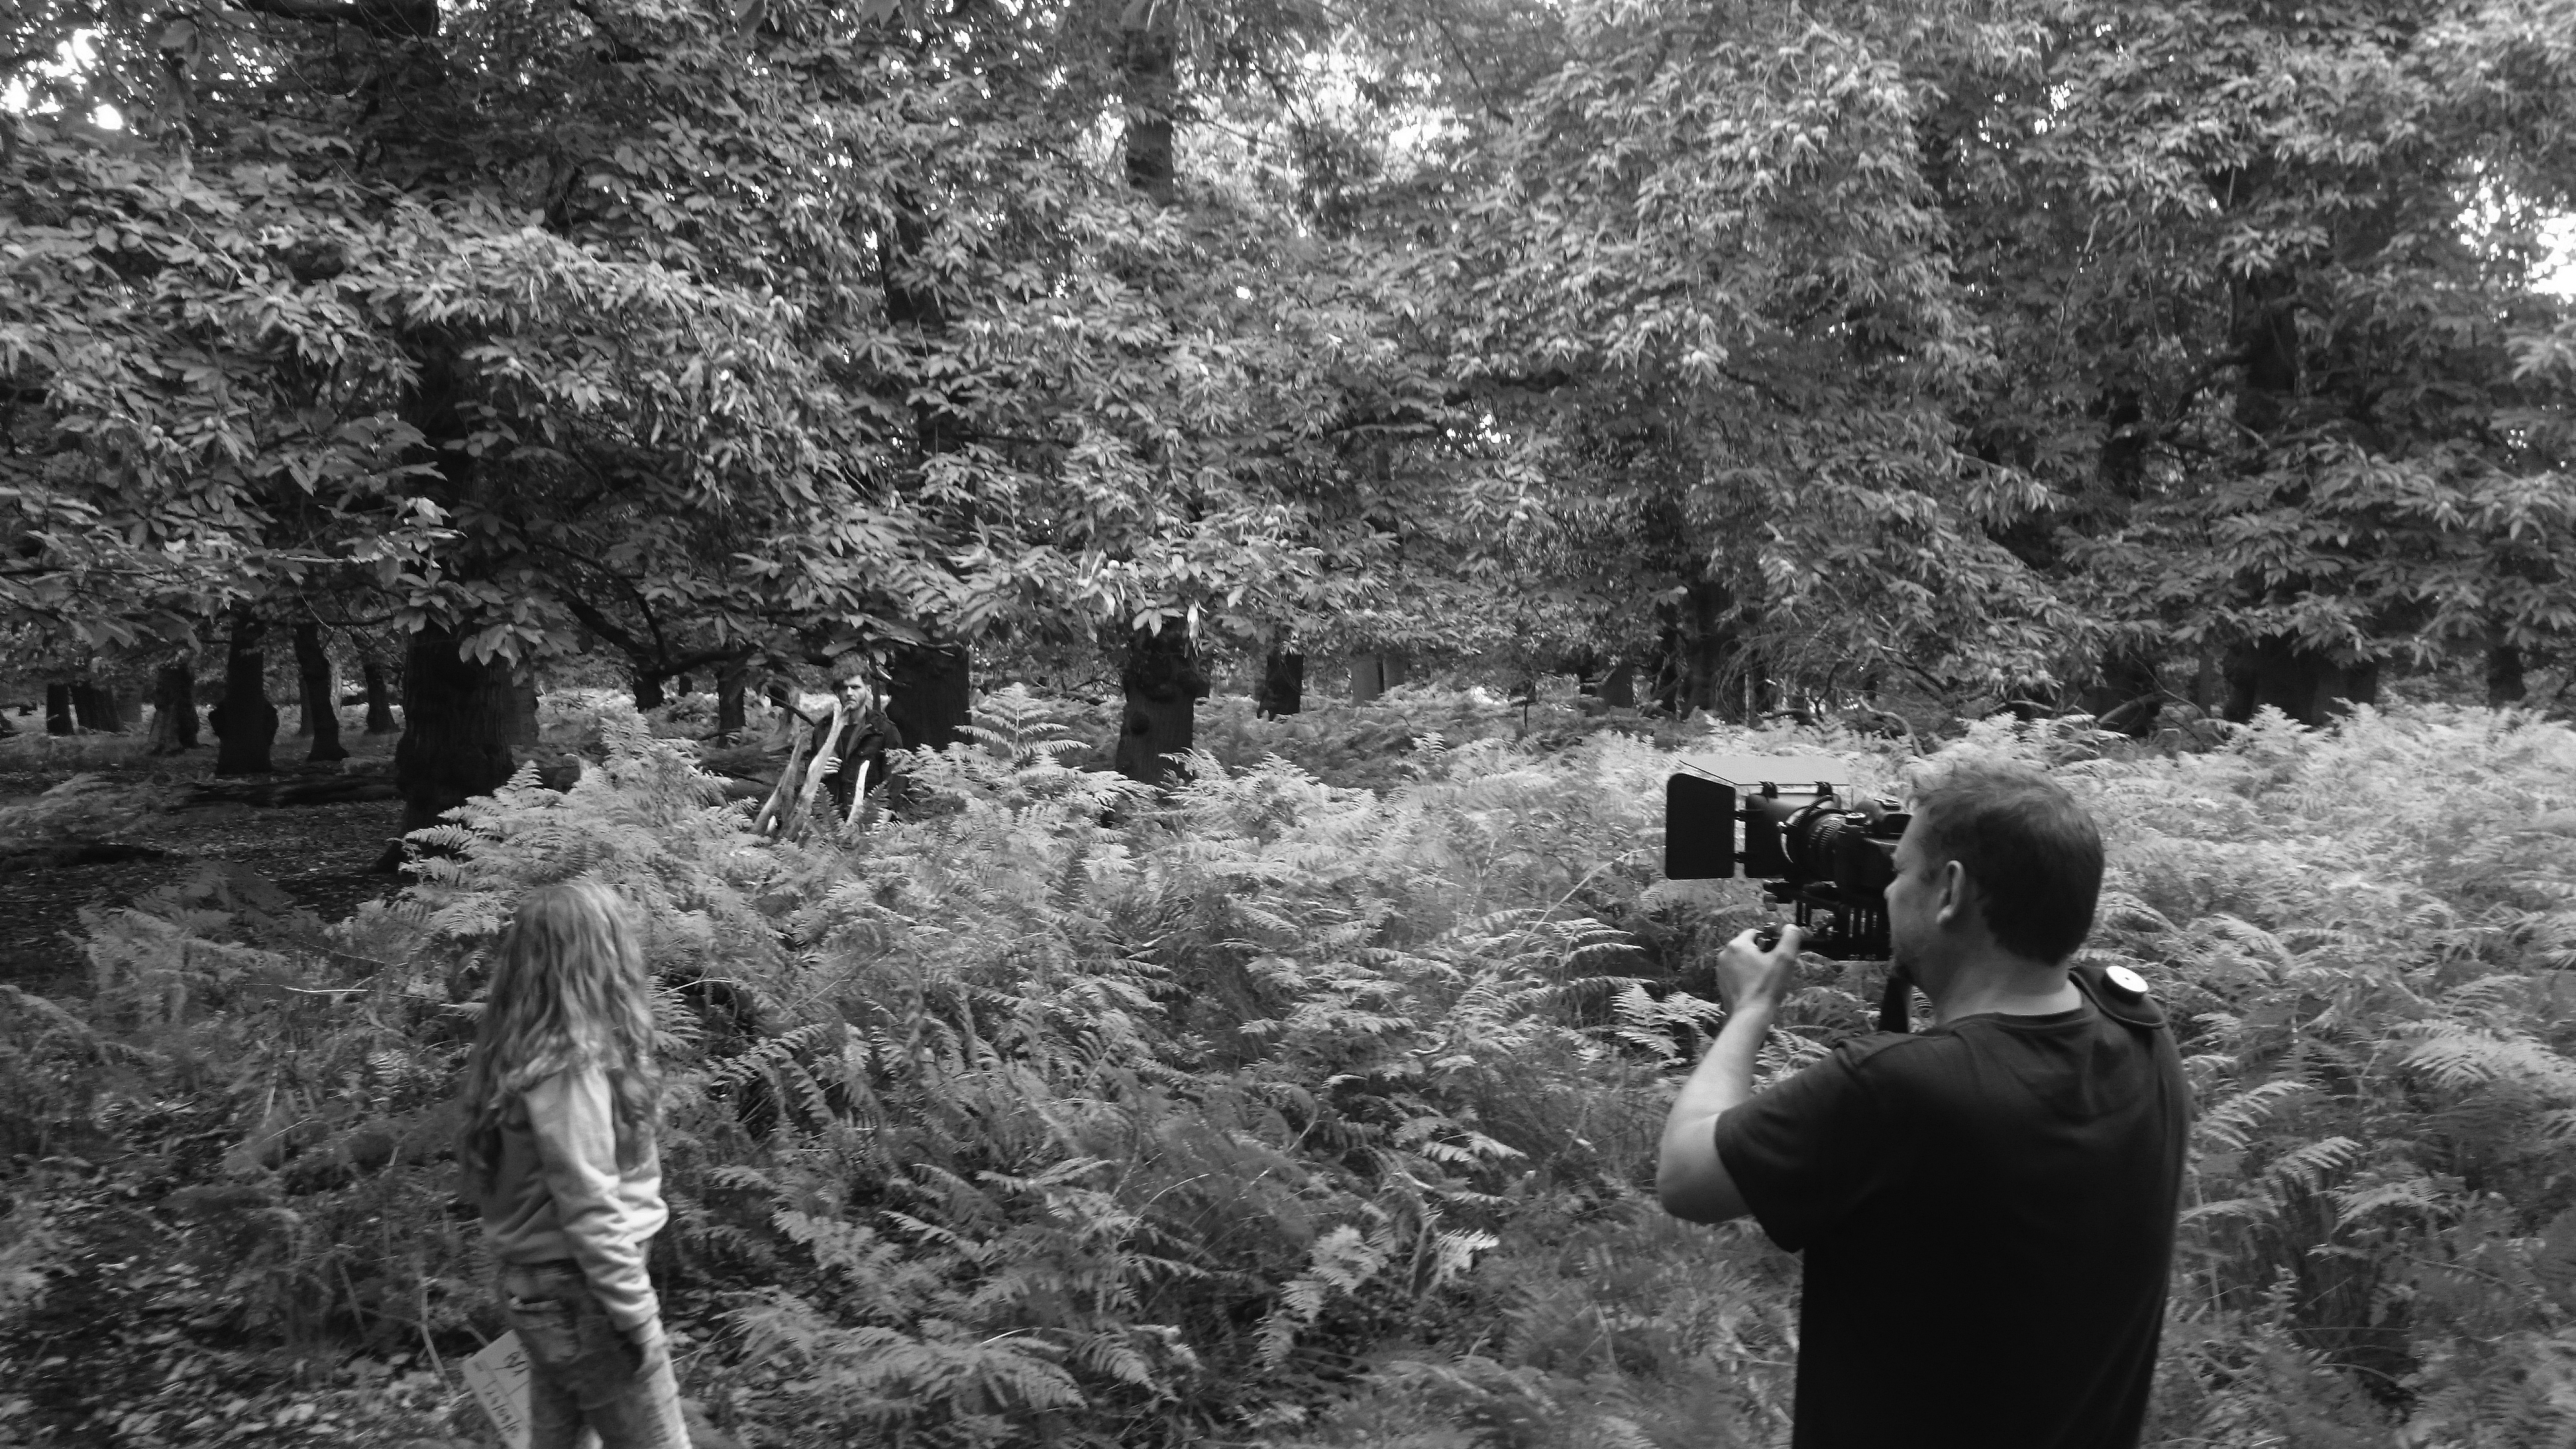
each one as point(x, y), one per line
point(1987, 1208)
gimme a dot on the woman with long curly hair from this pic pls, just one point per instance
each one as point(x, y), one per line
point(562, 1102)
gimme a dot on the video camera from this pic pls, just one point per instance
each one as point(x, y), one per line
point(1828, 859)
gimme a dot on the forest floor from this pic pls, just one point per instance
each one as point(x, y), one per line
point(319, 854)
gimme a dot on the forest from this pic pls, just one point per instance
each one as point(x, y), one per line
point(1120, 582)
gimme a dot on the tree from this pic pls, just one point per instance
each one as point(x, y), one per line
point(417, 303)
point(320, 701)
point(1707, 300)
point(245, 721)
point(2263, 280)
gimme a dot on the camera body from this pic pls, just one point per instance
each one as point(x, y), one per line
point(1787, 822)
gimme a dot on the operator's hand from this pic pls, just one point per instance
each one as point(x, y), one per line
point(1751, 978)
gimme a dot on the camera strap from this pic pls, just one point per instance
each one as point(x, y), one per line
point(1896, 1003)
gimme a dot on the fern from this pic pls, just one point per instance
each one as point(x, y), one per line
point(1049, 1109)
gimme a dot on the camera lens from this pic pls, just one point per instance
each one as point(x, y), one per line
point(1814, 837)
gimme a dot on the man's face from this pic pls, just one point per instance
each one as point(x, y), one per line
point(1913, 905)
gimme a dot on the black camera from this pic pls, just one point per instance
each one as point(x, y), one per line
point(1787, 823)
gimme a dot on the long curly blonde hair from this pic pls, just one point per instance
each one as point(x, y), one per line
point(568, 992)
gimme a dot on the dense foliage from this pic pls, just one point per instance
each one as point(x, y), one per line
point(1283, 1111)
point(1968, 352)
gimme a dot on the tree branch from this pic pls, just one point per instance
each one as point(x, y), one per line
point(597, 623)
point(620, 51)
point(393, 19)
point(1770, 393)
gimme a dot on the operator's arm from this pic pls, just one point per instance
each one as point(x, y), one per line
point(1690, 1181)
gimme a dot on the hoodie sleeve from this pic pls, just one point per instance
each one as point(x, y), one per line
point(575, 1126)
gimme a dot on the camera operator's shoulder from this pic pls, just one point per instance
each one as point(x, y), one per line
point(2119, 993)
point(1880, 1052)
point(1896, 1071)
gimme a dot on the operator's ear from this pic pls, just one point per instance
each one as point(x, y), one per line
point(1957, 894)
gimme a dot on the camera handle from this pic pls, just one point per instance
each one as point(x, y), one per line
point(1895, 1005)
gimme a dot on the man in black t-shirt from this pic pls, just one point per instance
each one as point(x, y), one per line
point(1987, 1209)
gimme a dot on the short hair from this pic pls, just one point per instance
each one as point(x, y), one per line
point(2032, 850)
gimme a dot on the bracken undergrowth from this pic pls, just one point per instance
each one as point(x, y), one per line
point(1050, 1110)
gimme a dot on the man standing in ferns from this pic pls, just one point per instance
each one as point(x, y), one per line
point(1987, 1208)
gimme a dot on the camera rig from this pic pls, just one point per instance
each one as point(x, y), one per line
point(1787, 822)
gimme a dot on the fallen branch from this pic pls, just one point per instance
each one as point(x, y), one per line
point(275, 794)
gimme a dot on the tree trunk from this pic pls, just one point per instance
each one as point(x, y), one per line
point(730, 685)
point(2128, 676)
point(2504, 669)
point(2305, 684)
point(1163, 684)
point(2308, 685)
point(2129, 671)
point(648, 690)
point(246, 724)
point(1160, 675)
point(98, 708)
point(1283, 684)
point(1706, 647)
point(458, 716)
point(2266, 325)
point(930, 695)
point(321, 698)
point(58, 709)
point(1619, 686)
point(1375, 674)
point(1368, 677)
point(523, 713)
point(2122, 462)
point(929, 689)
point(380, 699)
point(174, 709)
point(309, 701)
point(1148, 47)
point(2277, 670)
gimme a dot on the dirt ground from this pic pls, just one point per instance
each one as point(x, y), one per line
point(319, 854)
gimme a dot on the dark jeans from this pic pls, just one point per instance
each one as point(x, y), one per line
point(582, 1372)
